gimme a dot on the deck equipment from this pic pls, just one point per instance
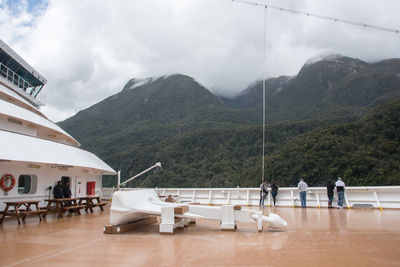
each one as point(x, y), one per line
point(136, 205)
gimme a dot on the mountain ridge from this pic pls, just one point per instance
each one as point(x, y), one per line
point(344, 87)
point(206, 141)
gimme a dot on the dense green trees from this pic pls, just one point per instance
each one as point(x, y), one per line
point(365, 152)
point(317, 130)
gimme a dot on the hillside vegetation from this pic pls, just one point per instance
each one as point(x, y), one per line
point(335, 118)
point(365, 152)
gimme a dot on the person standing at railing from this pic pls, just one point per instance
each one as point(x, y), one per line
point(340, 191)
point(329, 190)
point(274, 192)
point(263, 193)
point(302, 187)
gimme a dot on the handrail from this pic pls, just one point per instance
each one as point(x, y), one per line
point(14, 78)
point(20, 83)
point(355, 196)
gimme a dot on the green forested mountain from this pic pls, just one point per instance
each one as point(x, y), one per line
point(203, 142)
point(148, 111)
point(212, 157)
point(364, 152)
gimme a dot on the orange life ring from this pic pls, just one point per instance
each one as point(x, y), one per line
point(3, 182)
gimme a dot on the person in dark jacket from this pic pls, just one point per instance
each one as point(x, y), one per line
point(329, 190)
point(263, 193)
point(67, 190)
point(274, 192)
point(58, 191)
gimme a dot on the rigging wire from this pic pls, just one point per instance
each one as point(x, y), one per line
point(264, 73)
point(345, 21)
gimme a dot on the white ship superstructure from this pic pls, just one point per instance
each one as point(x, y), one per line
point(35, 152)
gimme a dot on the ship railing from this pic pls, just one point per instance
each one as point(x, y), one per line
point(20, 85)
point(368, 197)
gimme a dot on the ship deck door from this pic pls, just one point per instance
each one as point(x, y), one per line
point(79, 188)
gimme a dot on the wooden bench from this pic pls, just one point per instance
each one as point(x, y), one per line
point(61, 205)
point(32, 212)
point(89, 203)
point(21, 210)
point(101, 205)
point(74, 209)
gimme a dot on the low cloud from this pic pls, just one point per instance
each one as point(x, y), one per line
point(88, 50)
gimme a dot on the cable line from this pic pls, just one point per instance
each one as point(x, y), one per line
point(345, 21)
point(264, 73)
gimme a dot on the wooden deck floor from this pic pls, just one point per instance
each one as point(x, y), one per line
point(315, 237)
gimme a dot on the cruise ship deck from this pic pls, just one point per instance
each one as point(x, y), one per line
point(314, 237)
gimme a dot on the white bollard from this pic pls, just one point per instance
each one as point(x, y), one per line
point(227, 218)
point(167, 220)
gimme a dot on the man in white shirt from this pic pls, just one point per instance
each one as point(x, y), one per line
point(302, 187)
point(340, 191)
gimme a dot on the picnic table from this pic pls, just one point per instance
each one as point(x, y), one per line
point(90, 202)
point(22, 209)
point(61, 205)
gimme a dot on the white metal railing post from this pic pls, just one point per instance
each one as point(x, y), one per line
point(248, 197)
point(119, 180)
point(292, 195)
point(228, 200)
point(319, 204)
point(209, 197)
point(269, 199)
point(377, 200)
point(347, 200)
point(194, 195)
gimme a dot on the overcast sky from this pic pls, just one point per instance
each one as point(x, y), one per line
point(88, 49)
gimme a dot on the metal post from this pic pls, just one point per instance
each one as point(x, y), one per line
point(347, 200)
point(264, 77)
point(269, 199)
point(319, 204)
point(118, 180)
point(377, 200)
point(291, 194)
point(194, 195)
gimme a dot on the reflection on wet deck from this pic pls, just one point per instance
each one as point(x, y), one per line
point(315, 237)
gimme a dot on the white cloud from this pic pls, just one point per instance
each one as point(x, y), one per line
point(88, 49)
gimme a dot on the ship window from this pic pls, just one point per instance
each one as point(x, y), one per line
point(14, 121)
point(27, 184)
